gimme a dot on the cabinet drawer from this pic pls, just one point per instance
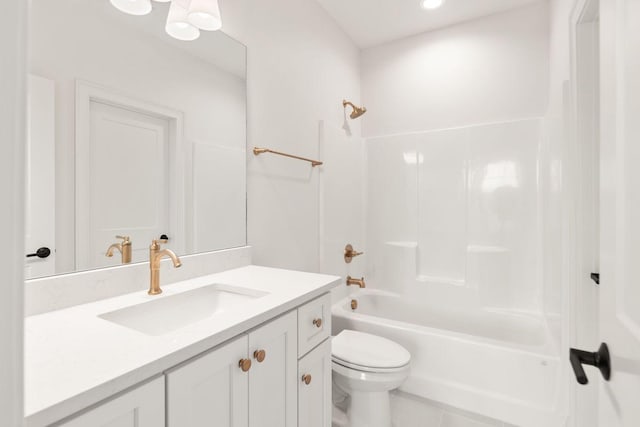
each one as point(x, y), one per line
point(314, 323)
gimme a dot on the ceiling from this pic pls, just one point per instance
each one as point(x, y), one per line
point(373, 22)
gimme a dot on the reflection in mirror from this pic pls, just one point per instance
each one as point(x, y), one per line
point(133, 136)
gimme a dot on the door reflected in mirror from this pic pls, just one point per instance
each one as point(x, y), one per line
point(133, 136)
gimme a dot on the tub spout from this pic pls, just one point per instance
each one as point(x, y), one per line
point(355, 282)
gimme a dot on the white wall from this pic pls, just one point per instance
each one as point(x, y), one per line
point(492, 69)
point(300, 67)
point(12, 138)
point(103, 48)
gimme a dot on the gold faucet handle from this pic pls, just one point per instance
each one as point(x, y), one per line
point(350, 253)
point(126, 240)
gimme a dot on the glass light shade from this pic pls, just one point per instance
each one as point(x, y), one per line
point(133, 7)
point(431, 4)
point(178, 25)
point(205, 14)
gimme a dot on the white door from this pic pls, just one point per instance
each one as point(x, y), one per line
point(125, 183)
point(211, 390)
point(141, 407)
point(40, 186)
point(272, 382)
point(620, 212)
point(314, 385)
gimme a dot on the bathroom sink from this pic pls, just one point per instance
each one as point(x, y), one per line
point(169, 313)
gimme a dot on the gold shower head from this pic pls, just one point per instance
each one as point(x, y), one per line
point(357, 111)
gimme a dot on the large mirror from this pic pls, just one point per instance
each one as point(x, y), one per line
point(132, 134)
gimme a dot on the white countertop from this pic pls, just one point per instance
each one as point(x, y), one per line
point(74, 359)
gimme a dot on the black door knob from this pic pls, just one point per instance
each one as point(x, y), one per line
point(40, 253)
point(600, 359)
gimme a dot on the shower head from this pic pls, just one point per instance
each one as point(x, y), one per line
point(357, 111)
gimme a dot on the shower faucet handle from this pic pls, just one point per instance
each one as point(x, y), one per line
point(350, 253)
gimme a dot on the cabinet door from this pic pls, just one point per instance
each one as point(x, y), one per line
point(140, 407)
point(314, 387)
point(272, 382)
point(211, 390)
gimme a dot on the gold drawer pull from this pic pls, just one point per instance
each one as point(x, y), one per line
point(259, 355)
point(306, 378)
point(317, 323)
point(245, 364)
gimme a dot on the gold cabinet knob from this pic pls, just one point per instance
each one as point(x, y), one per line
point(259, 355)
point(245, 364)
point(306, 378)
point(317, 323)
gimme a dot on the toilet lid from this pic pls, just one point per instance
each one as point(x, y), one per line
point(366, 350)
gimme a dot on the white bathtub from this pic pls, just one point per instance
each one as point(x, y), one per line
point(498, 364)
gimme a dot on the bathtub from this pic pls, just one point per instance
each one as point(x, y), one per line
point(499, 364)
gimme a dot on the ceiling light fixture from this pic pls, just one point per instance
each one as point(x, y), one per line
point(431, 4)
point(205, 14)
point(133, 7)
point(185, 18)
point(178, 25)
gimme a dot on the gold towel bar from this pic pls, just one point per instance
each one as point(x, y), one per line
point(258, 151)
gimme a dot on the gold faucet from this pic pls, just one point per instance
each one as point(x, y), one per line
point(350, 253)
point(155, 256)
point(357, 282)
point(124, 247)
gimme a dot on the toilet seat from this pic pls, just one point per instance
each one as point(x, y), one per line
point(368, 368)
point(368, 353)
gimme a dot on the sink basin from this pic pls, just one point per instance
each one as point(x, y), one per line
point(170, 313)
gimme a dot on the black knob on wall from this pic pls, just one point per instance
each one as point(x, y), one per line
point(600, 359)
point(40, 253)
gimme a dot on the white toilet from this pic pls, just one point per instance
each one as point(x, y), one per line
point(365, 368)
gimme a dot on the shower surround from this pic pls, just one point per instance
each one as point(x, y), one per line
point(455, 237)
point(455, 215)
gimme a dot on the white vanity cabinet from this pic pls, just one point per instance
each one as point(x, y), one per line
point(142, 406)
point(248, 382)
point(241, 365)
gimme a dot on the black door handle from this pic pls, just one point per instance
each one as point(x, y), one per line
point(600, 359)
point(40, 253)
